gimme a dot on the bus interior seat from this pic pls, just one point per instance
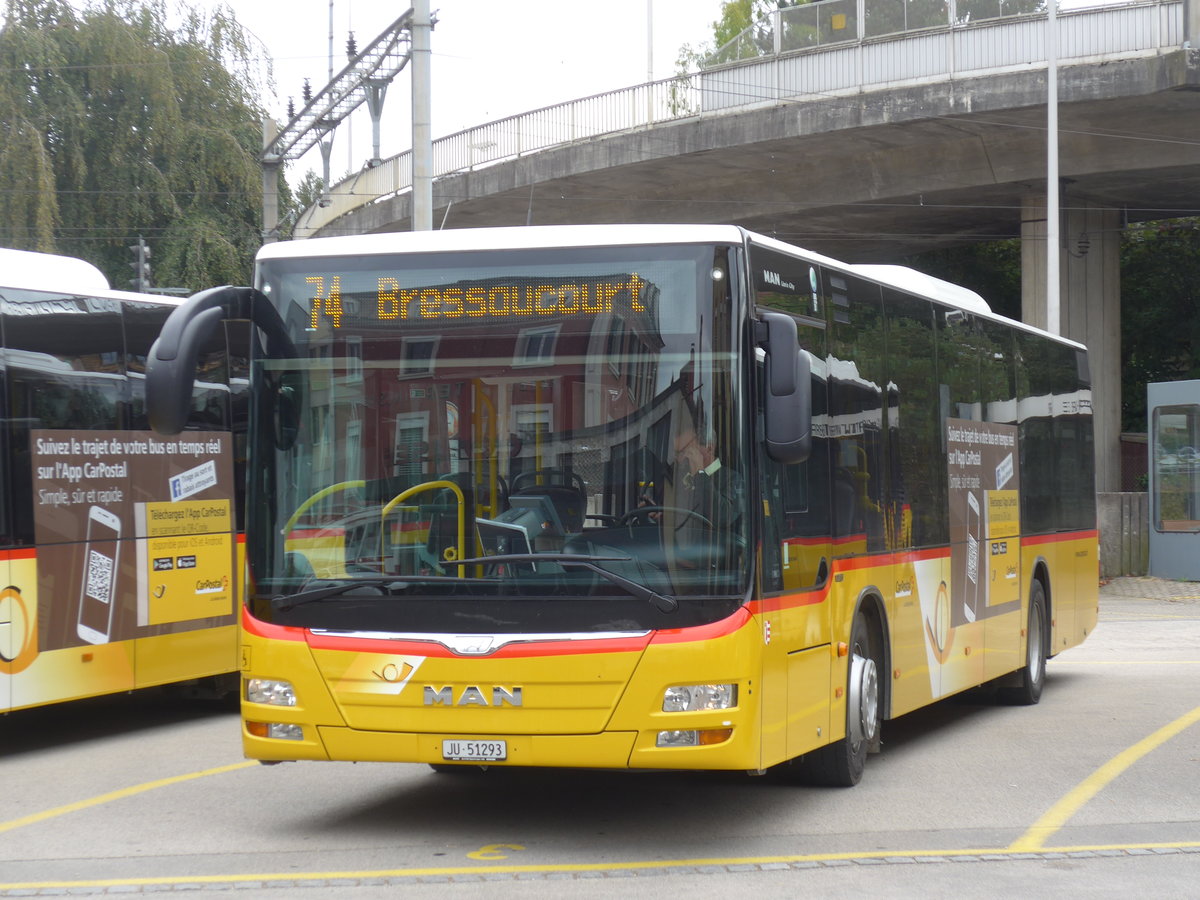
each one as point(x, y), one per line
point(564, 489)
point(443, 535)
point(441, 509)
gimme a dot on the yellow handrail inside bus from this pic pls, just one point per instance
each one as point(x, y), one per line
point(486, 442)
point(460, 550)
point(316, 498)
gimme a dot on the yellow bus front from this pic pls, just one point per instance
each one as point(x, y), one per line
point(671, 698)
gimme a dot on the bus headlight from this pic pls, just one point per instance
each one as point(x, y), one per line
point(270, 691)
point(696, 697)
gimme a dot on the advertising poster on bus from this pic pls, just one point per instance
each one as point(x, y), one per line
point(135, 534)
point(984, 498)
point(984, 483)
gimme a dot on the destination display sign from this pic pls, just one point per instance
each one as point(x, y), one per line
point(392, 302)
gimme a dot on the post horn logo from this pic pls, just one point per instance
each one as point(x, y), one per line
point(23, 625)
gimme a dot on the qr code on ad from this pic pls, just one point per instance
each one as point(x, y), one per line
point(99, 576)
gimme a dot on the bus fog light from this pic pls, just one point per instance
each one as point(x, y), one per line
point(678, 739)
point(703, 737)
point(271, 692)
point(693, 697)
point(280, 731)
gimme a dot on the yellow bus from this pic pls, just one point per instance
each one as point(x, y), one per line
point(653, 497)
point(118, 548)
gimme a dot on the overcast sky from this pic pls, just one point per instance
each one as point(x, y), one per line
point(490, 58)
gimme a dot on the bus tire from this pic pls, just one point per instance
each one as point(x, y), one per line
point(841, 763)
point(1026, 687)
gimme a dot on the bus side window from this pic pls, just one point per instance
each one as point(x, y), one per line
point(7, 534)
point(857, 382)
point(919, 463)
point(65, 362)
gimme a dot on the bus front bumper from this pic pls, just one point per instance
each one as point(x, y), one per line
point(606, 750)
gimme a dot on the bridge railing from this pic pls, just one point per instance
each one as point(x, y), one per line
point(951, 49)
point(838, 21)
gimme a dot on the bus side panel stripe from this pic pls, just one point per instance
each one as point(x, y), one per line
point(1059, 538)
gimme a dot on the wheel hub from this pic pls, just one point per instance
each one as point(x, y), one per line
point(864, 699)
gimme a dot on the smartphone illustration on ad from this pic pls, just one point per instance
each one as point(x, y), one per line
point(97, 593)
point(971, 587)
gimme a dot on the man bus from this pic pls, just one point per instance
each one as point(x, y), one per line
point(473, 527)
point(118, 549)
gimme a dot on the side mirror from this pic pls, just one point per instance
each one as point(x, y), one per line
point(171, 366)
point(789, 390)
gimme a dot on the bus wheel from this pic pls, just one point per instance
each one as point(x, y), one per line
point(1026, 689)
point(841, 763)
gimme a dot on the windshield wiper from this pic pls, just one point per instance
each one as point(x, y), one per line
point(662, 602)
point(284, 602)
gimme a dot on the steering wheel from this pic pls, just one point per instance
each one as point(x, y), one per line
point(642, 514)
point(549, 478)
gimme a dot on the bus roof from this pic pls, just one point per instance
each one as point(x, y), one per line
point(34, 271)
point(66, 275)
point(917, 282)
point(552, 236)
point(526, 238)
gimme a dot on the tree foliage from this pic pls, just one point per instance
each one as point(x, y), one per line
point(736, 17)
point(1160, 293)
point(114, 125)
point(992, 270)
point(1160, 272)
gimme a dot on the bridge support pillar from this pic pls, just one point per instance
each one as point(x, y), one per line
point(1090, 307)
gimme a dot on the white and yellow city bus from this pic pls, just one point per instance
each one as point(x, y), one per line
point(118, 548)
point(667, 497)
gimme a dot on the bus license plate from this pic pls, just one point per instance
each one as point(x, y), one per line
point(475, 751)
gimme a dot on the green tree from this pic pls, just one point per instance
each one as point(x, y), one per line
point(1160, 293)
point(749, 20)
point(294, 201)
point(116, 125)
point(992, 270)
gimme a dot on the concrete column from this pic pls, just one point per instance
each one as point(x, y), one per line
point(422, 145)
point(1090, 298)
point(270, 185)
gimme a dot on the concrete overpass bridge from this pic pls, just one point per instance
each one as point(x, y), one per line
point(847, 129)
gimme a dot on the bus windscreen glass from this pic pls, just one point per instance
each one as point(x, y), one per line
point(566, 416)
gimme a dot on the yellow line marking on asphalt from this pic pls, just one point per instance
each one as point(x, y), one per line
point(1033, 841)
point(984, 854)
point(119, 795)
point(1057, 816)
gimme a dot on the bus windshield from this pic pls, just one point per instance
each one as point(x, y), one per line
point(530, 441)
